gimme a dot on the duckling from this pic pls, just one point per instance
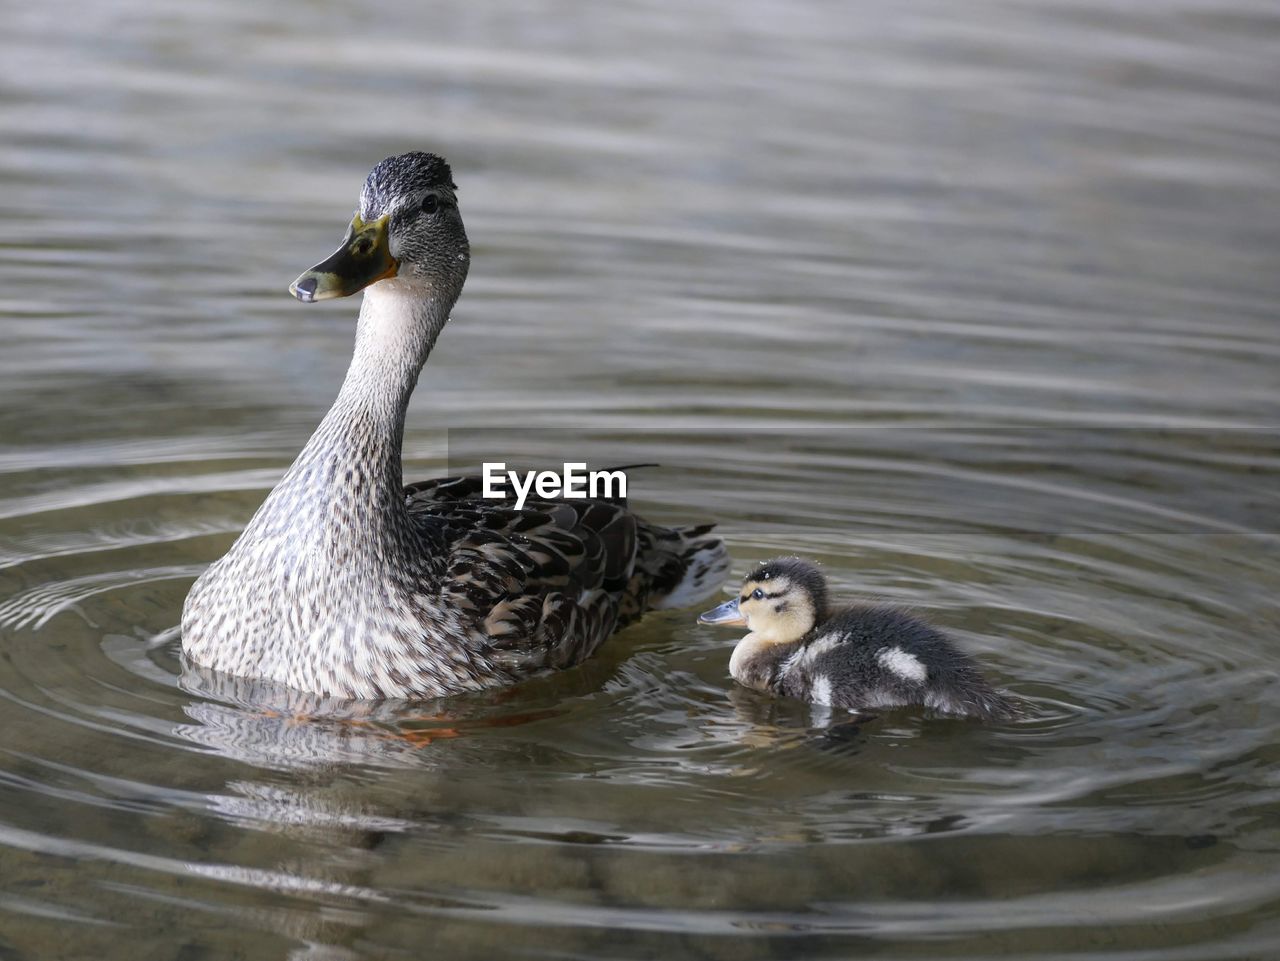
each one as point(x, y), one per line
point(861, 658)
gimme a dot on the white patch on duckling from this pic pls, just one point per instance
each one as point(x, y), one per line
point(821, 693)
point(906, 666)
point(820, 646)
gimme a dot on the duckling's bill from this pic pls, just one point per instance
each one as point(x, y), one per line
point(363, 259)
point(726, 613)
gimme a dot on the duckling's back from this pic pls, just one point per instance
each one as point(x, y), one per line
point(876, 657)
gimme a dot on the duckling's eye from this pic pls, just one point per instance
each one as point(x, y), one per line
point(757, 594)
point(430, 204)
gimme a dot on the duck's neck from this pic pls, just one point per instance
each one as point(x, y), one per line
point(354, 457)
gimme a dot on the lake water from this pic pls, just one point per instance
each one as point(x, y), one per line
point(976, 304)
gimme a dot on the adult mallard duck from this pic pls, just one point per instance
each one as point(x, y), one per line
point(348, 583)
point(860, 658)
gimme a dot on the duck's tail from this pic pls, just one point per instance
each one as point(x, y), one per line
point(675, 567)
point(705, 564)
point(996, 705)
point(979, 700)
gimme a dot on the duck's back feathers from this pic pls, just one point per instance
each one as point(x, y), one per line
point(544, 585)
point(880, 657)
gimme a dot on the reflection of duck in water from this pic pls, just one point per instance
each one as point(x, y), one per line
point(272, 726)
point(862, 659)
point(318, 829)
point(347, 583)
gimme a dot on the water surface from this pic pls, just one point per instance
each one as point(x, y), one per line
point(975, 305)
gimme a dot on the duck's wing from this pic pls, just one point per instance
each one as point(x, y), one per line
point(546, 584)
point(540, 587)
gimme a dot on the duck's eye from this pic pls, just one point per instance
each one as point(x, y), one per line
point(430, 204)
point(757, 594)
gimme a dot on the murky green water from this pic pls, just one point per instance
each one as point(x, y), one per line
point(977, 304)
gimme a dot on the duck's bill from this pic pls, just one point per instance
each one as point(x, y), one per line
point(726, 613)
point(363, 259)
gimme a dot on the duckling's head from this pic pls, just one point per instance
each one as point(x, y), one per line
point(780, 601)
point(407, 229)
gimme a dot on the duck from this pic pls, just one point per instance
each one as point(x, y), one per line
point(347, 583)
point(862, 658)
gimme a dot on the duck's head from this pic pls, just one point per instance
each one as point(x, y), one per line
point(780, 601)
point(407, 229)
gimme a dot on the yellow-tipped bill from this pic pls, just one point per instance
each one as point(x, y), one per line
point(363, 259)
point(726, 613)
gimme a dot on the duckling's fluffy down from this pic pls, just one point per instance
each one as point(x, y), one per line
point(876, 657)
